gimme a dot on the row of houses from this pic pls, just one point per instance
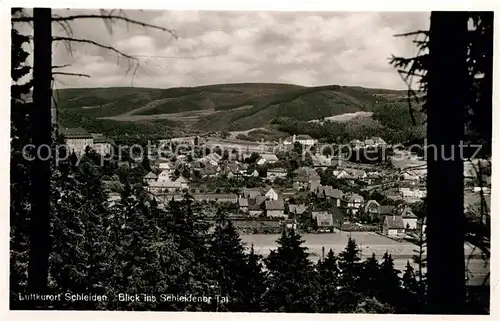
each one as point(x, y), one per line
point(368, 143)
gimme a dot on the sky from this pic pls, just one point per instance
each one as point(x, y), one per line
point(211, 47)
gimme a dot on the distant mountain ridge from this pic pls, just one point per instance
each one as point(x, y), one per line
point(223, 106)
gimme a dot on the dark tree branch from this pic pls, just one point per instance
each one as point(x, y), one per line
point(69, 39)
point(70, 74)
point(413, 33)
point(102, 16)
point(60, 66)
point(120, 53)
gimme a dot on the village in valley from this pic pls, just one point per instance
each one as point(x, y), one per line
point(295, 183)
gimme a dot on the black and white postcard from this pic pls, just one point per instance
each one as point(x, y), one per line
point(323, 162)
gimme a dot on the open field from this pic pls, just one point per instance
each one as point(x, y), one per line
point(187, 118)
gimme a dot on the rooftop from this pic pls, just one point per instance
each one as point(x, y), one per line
point(75, 133)
point(394, 222)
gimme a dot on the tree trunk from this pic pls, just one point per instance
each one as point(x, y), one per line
point(40, 227)
point(447, 85)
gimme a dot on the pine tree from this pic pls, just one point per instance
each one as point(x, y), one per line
point(370, 276)
point(389, 283)
point(190, 234)
point(227, 262)
point(291, 282)
point(328, 281)
point(255, 288)
point(409, 299)
point(350, 269)
point(20, 182)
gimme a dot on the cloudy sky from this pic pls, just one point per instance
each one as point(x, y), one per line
point(304, 48)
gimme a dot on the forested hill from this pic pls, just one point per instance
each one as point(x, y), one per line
point(215, 107)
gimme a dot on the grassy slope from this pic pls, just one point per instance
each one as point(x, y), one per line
point(262, 102)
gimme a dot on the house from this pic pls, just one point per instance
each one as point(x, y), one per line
point(275, 208)
point(77, 139)
point(163, 186)
point(305, 179)
point(409, 218)
point(255, 208)
point(251, 193)
point(321, 161)
point(102, 145)
point(313, 185)
point(300, 182)
point(269, 158)
point(150, 177)
point(334, 194)
point(164, 176)
point(412, 194)
point(271, 195)
point(183, 182)
point(409, 177)
point(273, 173)
point(372, 208)
point(324, 222)
point(216, 197)
point(315, 213)
point(165, 166)
point(328, 192)
point(373, 178)
point(297, 209)
point(352, 202)
point(375, 210)
point(393, 225)
point(342, 174)
point(243, 205)
point(304, 140)
point(212, 158)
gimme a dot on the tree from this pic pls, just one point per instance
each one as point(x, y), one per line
point(20, 178)
point(466, 58)
point(410, 299)
point(389, 282)
point(255, 288)
point(227, 261)
point(445, 198)
point(40, 246)
point(370, 277)
point(328, 280)
point(350, 268)
point(291, 280)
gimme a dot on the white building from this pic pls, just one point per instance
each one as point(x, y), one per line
point(77, 139)
point(271, 195)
